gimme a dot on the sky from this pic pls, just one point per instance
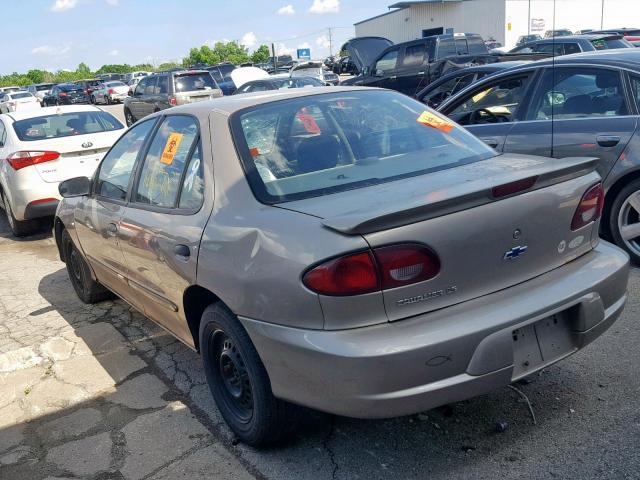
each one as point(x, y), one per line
point(59, 34)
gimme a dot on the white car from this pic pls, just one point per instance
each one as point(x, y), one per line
point(110, 92)
point(18, 101)
point(44, 147)
point(10, 89)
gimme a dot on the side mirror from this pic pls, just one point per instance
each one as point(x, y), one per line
point(378, 73)
point(130, 93)
point(75, 187)
point(366, 71)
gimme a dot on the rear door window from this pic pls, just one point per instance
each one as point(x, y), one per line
point(570, 48)
point(462, 47)
point(579, 93)
point(414, 55)
point(164, 166)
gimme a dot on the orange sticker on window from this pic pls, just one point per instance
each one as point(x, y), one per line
point(170, 148)
point(254, 152)
point(310, 124)
point(431, 120)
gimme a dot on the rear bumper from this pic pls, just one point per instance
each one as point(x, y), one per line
point(21, 200)
point(42, 209)
point(445, 356)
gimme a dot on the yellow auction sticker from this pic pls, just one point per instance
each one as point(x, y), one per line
point(170, 148)
point(429, 119)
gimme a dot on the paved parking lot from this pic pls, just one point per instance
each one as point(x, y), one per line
point(99, 392)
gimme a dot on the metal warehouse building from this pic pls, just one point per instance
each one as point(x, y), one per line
point(503, 20)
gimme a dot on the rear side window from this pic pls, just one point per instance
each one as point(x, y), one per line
point(189, 82)
point(579, 93)
point(604, 44)
point(65, 125)
point(116, 167)
point(413, 55)
point(166, 162)
point(570, 48)
point(462, 48)
point(320, 144)
point(447, 48)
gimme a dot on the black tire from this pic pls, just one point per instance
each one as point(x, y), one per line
point(19, 228)
point(128, 117)
point(87, 289)
point(239, 382)
point(107, 100)
point(622, 212)
point(92, 100)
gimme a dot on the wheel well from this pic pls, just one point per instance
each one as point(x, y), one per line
point(195, 300)
point(612, 193)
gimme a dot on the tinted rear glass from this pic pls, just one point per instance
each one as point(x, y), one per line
point(40, 88)
point(194, 81)
point(602, 44)
point(65, 125)
point(20, 95)
point(70, 88)
point(321, 144)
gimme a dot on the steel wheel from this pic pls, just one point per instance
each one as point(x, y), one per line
point(233, 374)
point(75, 268)
point(629, 222)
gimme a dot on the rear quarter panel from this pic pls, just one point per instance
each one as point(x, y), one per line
point(252, 255)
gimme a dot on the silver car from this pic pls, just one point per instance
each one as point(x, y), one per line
point(344, 249)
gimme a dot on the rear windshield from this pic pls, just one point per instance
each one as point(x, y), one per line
point(322, 144)
point(40, 88)
point(70, 88)
point(65, 125)
point(603, 44)
point(188, 82)
point(115, 84)
point(20, 95)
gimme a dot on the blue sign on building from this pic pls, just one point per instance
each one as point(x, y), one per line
point(304, 53)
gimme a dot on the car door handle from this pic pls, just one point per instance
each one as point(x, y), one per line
point(182, 251)
point(112, 228)
point(420, 73)
point(608, 140)
point(492, 142)
point(393, 77)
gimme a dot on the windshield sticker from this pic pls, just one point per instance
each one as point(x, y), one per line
point(430, 120)
point(171, 147)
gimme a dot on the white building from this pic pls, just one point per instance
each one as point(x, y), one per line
point(502, 20)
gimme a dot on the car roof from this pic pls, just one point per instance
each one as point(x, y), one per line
point(615, 57)
point(44, 111)
point(230, 104)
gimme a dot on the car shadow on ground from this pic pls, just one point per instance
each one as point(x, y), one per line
point(447, 442)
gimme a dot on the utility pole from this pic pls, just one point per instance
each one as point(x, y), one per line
point(602, 17)
point(331, 43)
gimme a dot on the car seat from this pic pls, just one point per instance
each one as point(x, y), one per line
point(319, 152)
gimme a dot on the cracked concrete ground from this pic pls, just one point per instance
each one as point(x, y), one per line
point(100, 392)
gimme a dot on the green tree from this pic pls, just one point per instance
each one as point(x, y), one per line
point(37, 76)
point(84, 70)
point(261, 54)
point(167, 66)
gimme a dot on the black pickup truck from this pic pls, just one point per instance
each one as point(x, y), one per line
point(408, 67)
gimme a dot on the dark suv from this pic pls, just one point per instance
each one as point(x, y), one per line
point(65, 94)
point(89, 85)
point(167, 89)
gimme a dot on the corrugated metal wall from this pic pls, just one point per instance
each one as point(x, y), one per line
point(486, 17)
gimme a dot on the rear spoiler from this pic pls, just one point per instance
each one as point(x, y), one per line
point(460, 197)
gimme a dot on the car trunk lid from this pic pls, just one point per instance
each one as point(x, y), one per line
point(484, 243)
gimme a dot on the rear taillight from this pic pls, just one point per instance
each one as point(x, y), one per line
point(367, 272)
point(23, 159)
point(172, 100)
point(111, 91)
point(86, 90)
point(62, 94)
point(350, 275)
point(590, 207)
